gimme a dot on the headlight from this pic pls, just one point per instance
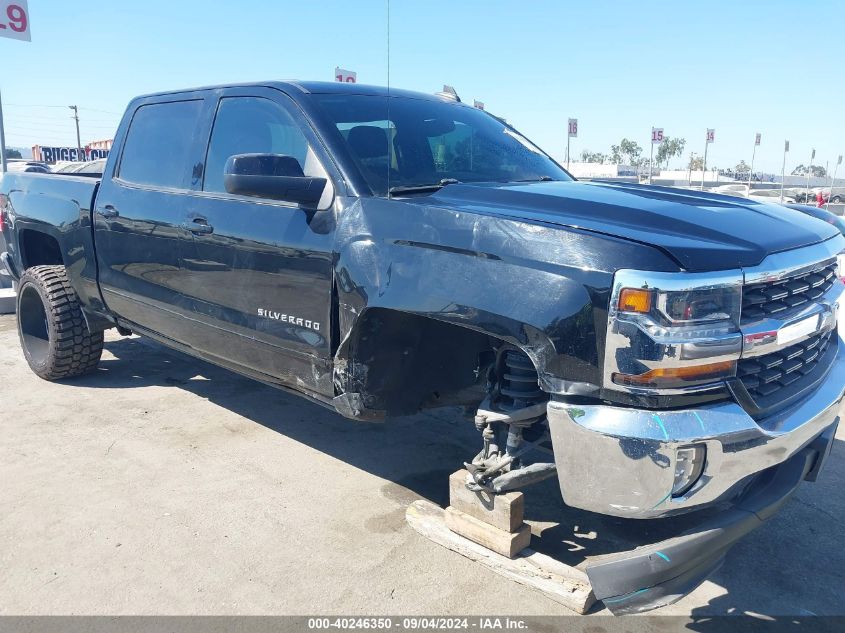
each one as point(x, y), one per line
point(671, 333)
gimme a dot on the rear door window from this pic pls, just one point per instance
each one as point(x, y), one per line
point(158, 146)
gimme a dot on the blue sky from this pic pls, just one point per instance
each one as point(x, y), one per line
point(619, 67)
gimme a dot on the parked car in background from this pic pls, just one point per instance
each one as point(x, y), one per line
point(771, 195)
point(734, 189)
point(84, 168)
point(24, 165)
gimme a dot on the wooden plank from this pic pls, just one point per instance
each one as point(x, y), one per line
point(505, 543)
point(505, 511)
point(563, 584)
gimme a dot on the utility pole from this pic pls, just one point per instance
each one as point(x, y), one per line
point(809, 173)
point(783, 169)
point(79, 155)
point(753, 155)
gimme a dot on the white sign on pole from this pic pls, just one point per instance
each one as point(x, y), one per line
point(478, 104)
point(345, 76)
point(656, 135)
point(711, 135)
point(757, 139)
point(573, 128)
point(14, 20)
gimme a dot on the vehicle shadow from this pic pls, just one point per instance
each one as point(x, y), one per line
point(765, 573)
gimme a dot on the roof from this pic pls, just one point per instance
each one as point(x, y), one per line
point(310, 87)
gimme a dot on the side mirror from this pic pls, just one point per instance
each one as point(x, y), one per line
point(273, 176)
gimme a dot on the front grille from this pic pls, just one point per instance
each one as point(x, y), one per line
point(779, 376)
point(771, 298)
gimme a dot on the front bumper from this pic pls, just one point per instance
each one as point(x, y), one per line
point(661, 573)
point(621, 461)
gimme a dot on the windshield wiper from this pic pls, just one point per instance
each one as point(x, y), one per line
point(437, 186)
point(538, 179)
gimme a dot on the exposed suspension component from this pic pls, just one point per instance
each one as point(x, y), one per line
point(519, 383)
point(515, 408)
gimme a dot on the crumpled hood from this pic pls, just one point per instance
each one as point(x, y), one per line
point(701, 231)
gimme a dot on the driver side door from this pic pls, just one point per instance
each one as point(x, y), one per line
point(258, 275)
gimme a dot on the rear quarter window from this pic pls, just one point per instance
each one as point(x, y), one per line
point(157, 149)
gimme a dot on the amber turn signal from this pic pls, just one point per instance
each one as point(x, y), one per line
point(635, 300)
point(659, 377)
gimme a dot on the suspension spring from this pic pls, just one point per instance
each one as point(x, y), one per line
point(519, 384)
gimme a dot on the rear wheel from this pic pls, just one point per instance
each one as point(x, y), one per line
point(54, 336)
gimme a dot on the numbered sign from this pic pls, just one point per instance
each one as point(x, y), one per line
point(345, 76)
point(14, 20)
point(656, 135)
point(478, 104)
point(786, 146)
point(711, 135)
point(573, 128)
point(757, 138)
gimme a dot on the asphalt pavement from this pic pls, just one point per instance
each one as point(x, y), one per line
point(164, 485)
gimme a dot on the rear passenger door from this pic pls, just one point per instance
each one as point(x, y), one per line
point(259, 271)
point(140, 210)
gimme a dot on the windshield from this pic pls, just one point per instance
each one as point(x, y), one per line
point(433, 142)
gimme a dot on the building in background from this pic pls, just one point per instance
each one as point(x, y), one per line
point(92, 151)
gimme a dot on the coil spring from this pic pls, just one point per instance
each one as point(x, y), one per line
point(519, 383)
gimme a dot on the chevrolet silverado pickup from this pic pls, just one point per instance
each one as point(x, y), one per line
point(381, 251)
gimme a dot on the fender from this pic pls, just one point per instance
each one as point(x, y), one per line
point(67, 220)
point(540, 287)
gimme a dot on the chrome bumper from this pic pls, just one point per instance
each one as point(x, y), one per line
point(621, 461)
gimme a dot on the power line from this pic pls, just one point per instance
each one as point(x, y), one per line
point(44, 105)
point(37, 125)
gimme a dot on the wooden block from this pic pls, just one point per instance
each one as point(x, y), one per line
point(562, 583)
point(505, 511)
point(505, 543)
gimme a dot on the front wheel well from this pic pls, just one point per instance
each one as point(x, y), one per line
point(39, 249)
point(400, 362)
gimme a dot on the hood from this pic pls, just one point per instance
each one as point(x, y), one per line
point(701, 231)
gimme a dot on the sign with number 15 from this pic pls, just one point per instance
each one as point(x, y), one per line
point(14, 20)
point(656, 135)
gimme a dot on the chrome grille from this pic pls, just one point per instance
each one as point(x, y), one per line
point(767, 375)
point(772, 298)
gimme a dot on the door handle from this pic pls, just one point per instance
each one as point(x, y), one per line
point(107, 211)
point(199, 226)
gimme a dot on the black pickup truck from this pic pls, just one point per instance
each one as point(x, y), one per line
point(381, 252)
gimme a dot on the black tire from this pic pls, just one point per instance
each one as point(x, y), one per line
point(836, 200)
point(54, 336)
